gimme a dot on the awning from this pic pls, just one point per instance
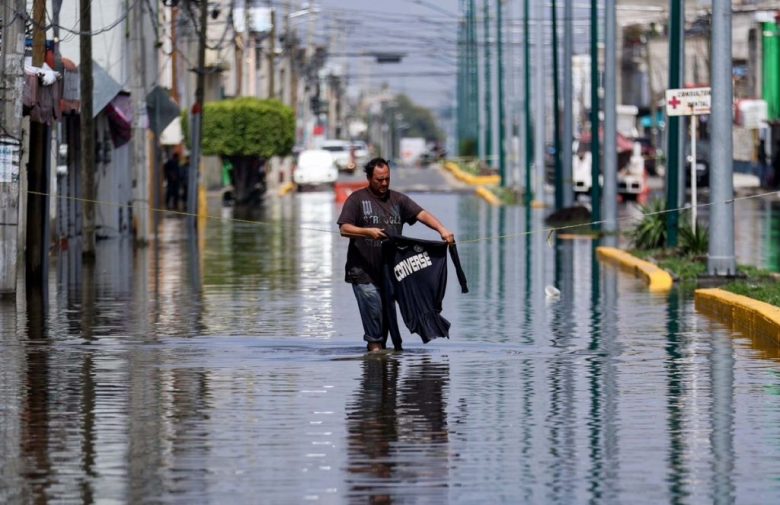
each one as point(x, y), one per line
point(172, 134)
point(161, 110)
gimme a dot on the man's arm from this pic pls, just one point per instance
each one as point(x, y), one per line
point(431, 222)
point(352, 231)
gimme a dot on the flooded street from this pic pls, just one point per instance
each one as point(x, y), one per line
point(232, 369)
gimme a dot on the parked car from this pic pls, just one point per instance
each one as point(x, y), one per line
point(315, 167)
point(360, 154)
point(340, 150)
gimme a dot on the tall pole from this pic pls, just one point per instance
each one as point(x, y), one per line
point(528, 190)
point(539, 94)
point(11, 88)
point(674, 130)
point(272, 57)
point(488, 96)
point(559, 183)
point(473, 75)
point(140, 166)
point(610, 124)
point(568, 105)
point(37, 249)
point(461, 99)
point(197, 118)
point(595, 142)
point(87, 127)
point(720, 260)
point(501, 97)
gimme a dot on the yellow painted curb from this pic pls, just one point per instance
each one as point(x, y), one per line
point(538, 204)
point(487, 195)
point(472, 180)
point(286, 188)
point(741, 312)
point(657, 278)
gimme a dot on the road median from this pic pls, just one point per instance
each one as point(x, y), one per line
point(658, 279)
point(740, 312)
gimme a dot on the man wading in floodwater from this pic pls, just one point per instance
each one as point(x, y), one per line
point(369, 216)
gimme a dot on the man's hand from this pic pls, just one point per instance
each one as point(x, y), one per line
point(376, 233)
point(447, 236)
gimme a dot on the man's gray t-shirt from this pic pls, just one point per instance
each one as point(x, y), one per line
point(366, 210)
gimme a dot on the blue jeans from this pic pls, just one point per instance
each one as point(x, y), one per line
point(369, 302)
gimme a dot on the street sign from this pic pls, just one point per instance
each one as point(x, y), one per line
point(688, 101)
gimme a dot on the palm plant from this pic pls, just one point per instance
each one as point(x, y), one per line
point(650, 232)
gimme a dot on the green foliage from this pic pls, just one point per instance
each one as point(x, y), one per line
point(468, 147)
point(693, 242)
point(246, 127)
point(684, 268)
point(419, 120)
point(650, 232)
point(762, 290)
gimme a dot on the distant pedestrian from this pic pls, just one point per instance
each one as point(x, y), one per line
point(369, 216)
point(172, 173)
point(184, 180)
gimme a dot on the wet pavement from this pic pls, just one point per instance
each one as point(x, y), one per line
point(231, 369)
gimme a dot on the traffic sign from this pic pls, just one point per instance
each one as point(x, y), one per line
point(688, 101)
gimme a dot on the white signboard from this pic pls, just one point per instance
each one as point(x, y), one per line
point(9, 160)
point(688, 101)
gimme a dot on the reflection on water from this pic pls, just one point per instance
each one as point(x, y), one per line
point(230, 369)
point(397, 432)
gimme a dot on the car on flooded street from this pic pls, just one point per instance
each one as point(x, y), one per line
point(315, 168)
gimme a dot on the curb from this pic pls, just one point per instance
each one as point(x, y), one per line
point(741, 312)
point(473, 180)
point(658, 280)
point(487, 195)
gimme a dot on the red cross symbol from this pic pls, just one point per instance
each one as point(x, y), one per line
point(674, 102)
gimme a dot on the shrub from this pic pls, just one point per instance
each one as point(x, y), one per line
point(650, 232)
point(693, 242)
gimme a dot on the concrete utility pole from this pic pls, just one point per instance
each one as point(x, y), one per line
point(539, 94)
point(721, 260)
point(37, 250)
point(197, 118)
point(568, 105)
point(610, 124)
point(272, 57)
point(11, 87)
point(87, 125)
point(140, 166)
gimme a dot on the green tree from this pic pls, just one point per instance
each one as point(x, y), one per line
point(246, 132)
point(419, 120)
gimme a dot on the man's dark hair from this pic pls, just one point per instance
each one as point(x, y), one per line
point(371, 165)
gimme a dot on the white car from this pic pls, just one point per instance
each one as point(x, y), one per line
point(340, 149)
point(315, 167)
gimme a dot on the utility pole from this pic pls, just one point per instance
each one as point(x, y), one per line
point(11, 88)
point(488, 97)
point(568, 105)
point(197, 120)
point(720, 260)
point(595, 141)
point(610, 124)
point(140, 167)
point(37, 249)
point(528, 151)
point(539, 94)
point(272, 57)
point(473, 76)
point(501, 105)
point(675, 139)
point(559, 184)
point(87, 127)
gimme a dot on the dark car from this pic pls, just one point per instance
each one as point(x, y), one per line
point(702, 172)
